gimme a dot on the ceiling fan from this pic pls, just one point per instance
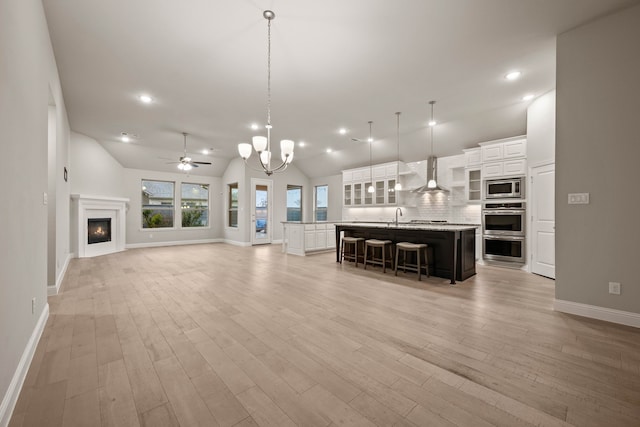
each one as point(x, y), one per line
point(186, 163)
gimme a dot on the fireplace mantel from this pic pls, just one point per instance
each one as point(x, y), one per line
point(88, 206)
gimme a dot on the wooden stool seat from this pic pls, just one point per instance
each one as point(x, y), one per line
point(382, 260)
point(346, 244)
point(419, 249)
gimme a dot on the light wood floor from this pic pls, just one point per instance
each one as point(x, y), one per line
point(211, 335)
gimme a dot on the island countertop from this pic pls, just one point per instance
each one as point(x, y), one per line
point(451, 247)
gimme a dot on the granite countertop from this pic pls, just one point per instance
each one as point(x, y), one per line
point(413, 226)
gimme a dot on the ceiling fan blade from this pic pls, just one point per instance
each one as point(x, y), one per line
point(201, 163)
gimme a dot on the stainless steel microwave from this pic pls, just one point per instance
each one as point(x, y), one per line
point(509, 188)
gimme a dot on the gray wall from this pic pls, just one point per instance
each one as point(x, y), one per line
point(334, 212)
point(28, 75)
point(597, 151)
point(93, 170)
point(136, 235)
point(541, 130)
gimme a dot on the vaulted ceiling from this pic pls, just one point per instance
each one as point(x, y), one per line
point(335, 64)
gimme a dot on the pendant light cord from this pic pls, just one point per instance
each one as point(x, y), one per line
point(370, 152)
point(398, 134)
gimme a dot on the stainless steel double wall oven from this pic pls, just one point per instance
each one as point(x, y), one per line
point(504, 225)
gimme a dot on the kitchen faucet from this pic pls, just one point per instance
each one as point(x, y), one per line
point(398, 210)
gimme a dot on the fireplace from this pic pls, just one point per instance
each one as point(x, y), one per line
point(98, 225)
point(98, 230)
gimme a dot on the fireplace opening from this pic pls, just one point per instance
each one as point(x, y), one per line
point(99, 230)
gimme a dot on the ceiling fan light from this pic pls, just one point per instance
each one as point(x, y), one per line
point(244, 149)
point(286, 146)
point(259, 143)
point(187, 167)
point(181, 166)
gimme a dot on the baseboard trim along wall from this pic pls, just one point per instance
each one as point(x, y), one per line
point(601, 313)
point(11, 397)
point(174, 243)
point(236, 243)
point(53, 290)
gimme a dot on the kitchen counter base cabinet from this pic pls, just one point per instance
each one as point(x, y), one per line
point(303, 238)
point(449, 251)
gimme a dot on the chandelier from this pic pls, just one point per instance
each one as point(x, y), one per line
point(261, 144)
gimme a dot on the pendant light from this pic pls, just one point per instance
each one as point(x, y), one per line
point(398, 186)
point(261, 144)
point(370, 189)
point(432, 184)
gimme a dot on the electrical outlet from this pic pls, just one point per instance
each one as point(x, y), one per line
point(33, 305)
point(614, 288)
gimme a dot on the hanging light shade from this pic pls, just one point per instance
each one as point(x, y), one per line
point(398, 186)
point(262, 144)
point(370, 189)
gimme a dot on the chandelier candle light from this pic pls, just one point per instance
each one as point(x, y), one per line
point(261, 144)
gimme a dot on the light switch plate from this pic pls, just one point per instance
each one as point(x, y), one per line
point(578, 198)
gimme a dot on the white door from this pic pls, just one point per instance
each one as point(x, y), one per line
point(543, 221)
point(261, 207)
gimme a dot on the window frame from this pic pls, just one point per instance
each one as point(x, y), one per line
point(291, 187)
point(230, 209)
point(315, 203)
point(172, 210)
point(208, 210)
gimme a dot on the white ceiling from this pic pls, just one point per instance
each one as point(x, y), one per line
point(335, 63)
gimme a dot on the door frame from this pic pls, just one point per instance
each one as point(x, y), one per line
point(269, 235)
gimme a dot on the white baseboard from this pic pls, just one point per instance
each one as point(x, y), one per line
point(236, 243)
point(11, 396)
point(174, 243)
point(595, 312)
point(53, 290)
point(276, 242)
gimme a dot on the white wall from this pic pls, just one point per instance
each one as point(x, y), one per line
point(93, 171)
point(137, 236)
point(597, 152)
point(541, 130)
point(28, 74)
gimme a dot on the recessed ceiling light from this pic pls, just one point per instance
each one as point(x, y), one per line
point(342, 131)
point(432, 123)
point(329, 150)
point(528, 97)
point(301, 144)
point(254, 126)
point(513, 75)
point(205, 151)
point(144, 98)
point(127, 137)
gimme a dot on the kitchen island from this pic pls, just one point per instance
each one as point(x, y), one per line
point(451, 247)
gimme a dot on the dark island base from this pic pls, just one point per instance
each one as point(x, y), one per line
point(446, 248)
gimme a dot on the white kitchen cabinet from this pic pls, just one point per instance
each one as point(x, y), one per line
point(472, 157)
point(385, 176)
point(473, 185)
point(492, 170)
point(491, 153)
point(514, 167)
point(304, 238)
point(514, 149)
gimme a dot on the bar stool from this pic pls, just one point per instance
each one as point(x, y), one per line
point(419, 249)
point(383, 245)
point(346, 243)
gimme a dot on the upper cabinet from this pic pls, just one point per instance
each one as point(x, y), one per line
point(472, 157)
point(383, 178)
point(505, 157)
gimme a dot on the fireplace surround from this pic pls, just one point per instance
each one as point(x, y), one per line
point(100, 224)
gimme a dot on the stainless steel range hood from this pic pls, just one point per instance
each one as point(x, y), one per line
point(432, 174)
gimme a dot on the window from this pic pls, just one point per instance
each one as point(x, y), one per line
point(232, 220)
point(294, 203)
point(321, 202)
point(195, 205)
point(157, 204)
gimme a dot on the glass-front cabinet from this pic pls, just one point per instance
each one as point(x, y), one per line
point(474, 185)
point(368, 197)
point(357, 194)
point(380, 192)
point(347, 194)
point(391, 192)
point(383, 177)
